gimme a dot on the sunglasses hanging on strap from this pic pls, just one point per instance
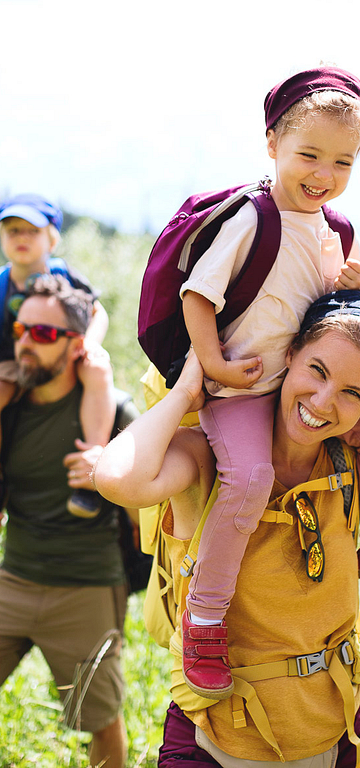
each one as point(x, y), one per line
point(343, 479)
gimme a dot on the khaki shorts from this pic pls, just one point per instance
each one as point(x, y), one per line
point(67, 624)
point(9, 371)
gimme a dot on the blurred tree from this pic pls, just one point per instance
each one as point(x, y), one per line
point(115, 264)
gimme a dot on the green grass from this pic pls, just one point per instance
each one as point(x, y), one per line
point(115, 265)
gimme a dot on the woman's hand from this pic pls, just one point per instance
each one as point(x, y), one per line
point(191, 379)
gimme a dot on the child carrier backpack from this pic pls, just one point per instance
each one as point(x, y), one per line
point(161, 602)
point(161, 328)
point(165, 602)
point(56, 266)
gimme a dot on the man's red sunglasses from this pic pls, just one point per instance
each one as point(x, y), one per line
point(42, 334)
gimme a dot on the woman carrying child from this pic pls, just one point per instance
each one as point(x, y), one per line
point(313, 135)
point(291, 644)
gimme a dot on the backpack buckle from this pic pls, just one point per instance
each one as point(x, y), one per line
point(314, 661)
point(335, 481)
point(347, 658)
point(187, 566)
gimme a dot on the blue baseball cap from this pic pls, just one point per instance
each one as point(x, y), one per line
point(32, 208)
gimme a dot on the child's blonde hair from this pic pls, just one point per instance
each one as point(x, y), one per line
point(334, 104)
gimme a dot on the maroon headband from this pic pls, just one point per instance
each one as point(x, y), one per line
point(287, 93)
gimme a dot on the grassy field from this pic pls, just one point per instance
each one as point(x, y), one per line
point(31, 731)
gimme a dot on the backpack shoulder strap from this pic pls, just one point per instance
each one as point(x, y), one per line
point(121, 399)
point(260, 259)
point(344, 459)
point(4, 284)
point(339, 223)
point(190, 558)
point(344, 478)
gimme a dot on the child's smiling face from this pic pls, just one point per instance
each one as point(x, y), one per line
point(313, 163)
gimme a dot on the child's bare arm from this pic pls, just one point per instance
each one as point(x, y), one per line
point(200, 321)
point(98, 326)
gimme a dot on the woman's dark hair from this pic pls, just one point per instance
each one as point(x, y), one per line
point(342, 323)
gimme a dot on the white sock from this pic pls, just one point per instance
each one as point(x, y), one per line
point(203, 622)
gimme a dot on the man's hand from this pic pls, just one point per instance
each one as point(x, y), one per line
point(349, 276)
point(80, 464)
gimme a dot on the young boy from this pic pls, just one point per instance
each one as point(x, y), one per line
point(29, 233)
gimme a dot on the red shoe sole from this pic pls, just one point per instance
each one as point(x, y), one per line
point(217, 694)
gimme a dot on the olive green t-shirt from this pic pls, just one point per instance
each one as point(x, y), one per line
point(44, 542)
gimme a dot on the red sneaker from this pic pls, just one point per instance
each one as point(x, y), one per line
point(205, 659)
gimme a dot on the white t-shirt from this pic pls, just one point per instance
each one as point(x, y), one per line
point(309, 259)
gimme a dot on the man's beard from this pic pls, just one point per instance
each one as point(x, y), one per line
point(32, 376)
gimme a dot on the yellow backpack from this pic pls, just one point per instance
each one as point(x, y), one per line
point(161, 602)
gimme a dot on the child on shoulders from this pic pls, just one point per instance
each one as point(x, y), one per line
point(313, 135)
point(29, 233)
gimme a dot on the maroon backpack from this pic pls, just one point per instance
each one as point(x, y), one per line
point(161, 328)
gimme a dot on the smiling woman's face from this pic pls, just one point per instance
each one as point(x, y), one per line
point(320, 395)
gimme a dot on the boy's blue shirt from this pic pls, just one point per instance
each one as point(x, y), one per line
point(8, 290)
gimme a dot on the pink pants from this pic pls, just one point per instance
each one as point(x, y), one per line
point(239, 430)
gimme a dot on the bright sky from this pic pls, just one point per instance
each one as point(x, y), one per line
point(121, 109)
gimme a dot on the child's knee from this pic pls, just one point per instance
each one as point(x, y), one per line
point(256, 498)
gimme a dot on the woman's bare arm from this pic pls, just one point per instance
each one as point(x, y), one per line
point(149, 462)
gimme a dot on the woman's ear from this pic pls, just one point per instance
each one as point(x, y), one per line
point(271, 144)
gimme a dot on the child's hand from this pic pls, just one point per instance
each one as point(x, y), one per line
point(241, 374)
point(349, 276)
point(94, 351)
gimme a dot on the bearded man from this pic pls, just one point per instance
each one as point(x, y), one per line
point(62, 581)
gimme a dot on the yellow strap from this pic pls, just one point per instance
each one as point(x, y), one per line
point(320, 484)
point(341, 679)
point(276, 516)
point(340, 674)
point(191, 556)
point(167, 579)
point(283, 668)
point(257, 712)
point(239, 716)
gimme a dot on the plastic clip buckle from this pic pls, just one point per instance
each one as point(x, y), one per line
point(315, 662)
point(344, 652)
point(335, 481)
point(187, 566)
